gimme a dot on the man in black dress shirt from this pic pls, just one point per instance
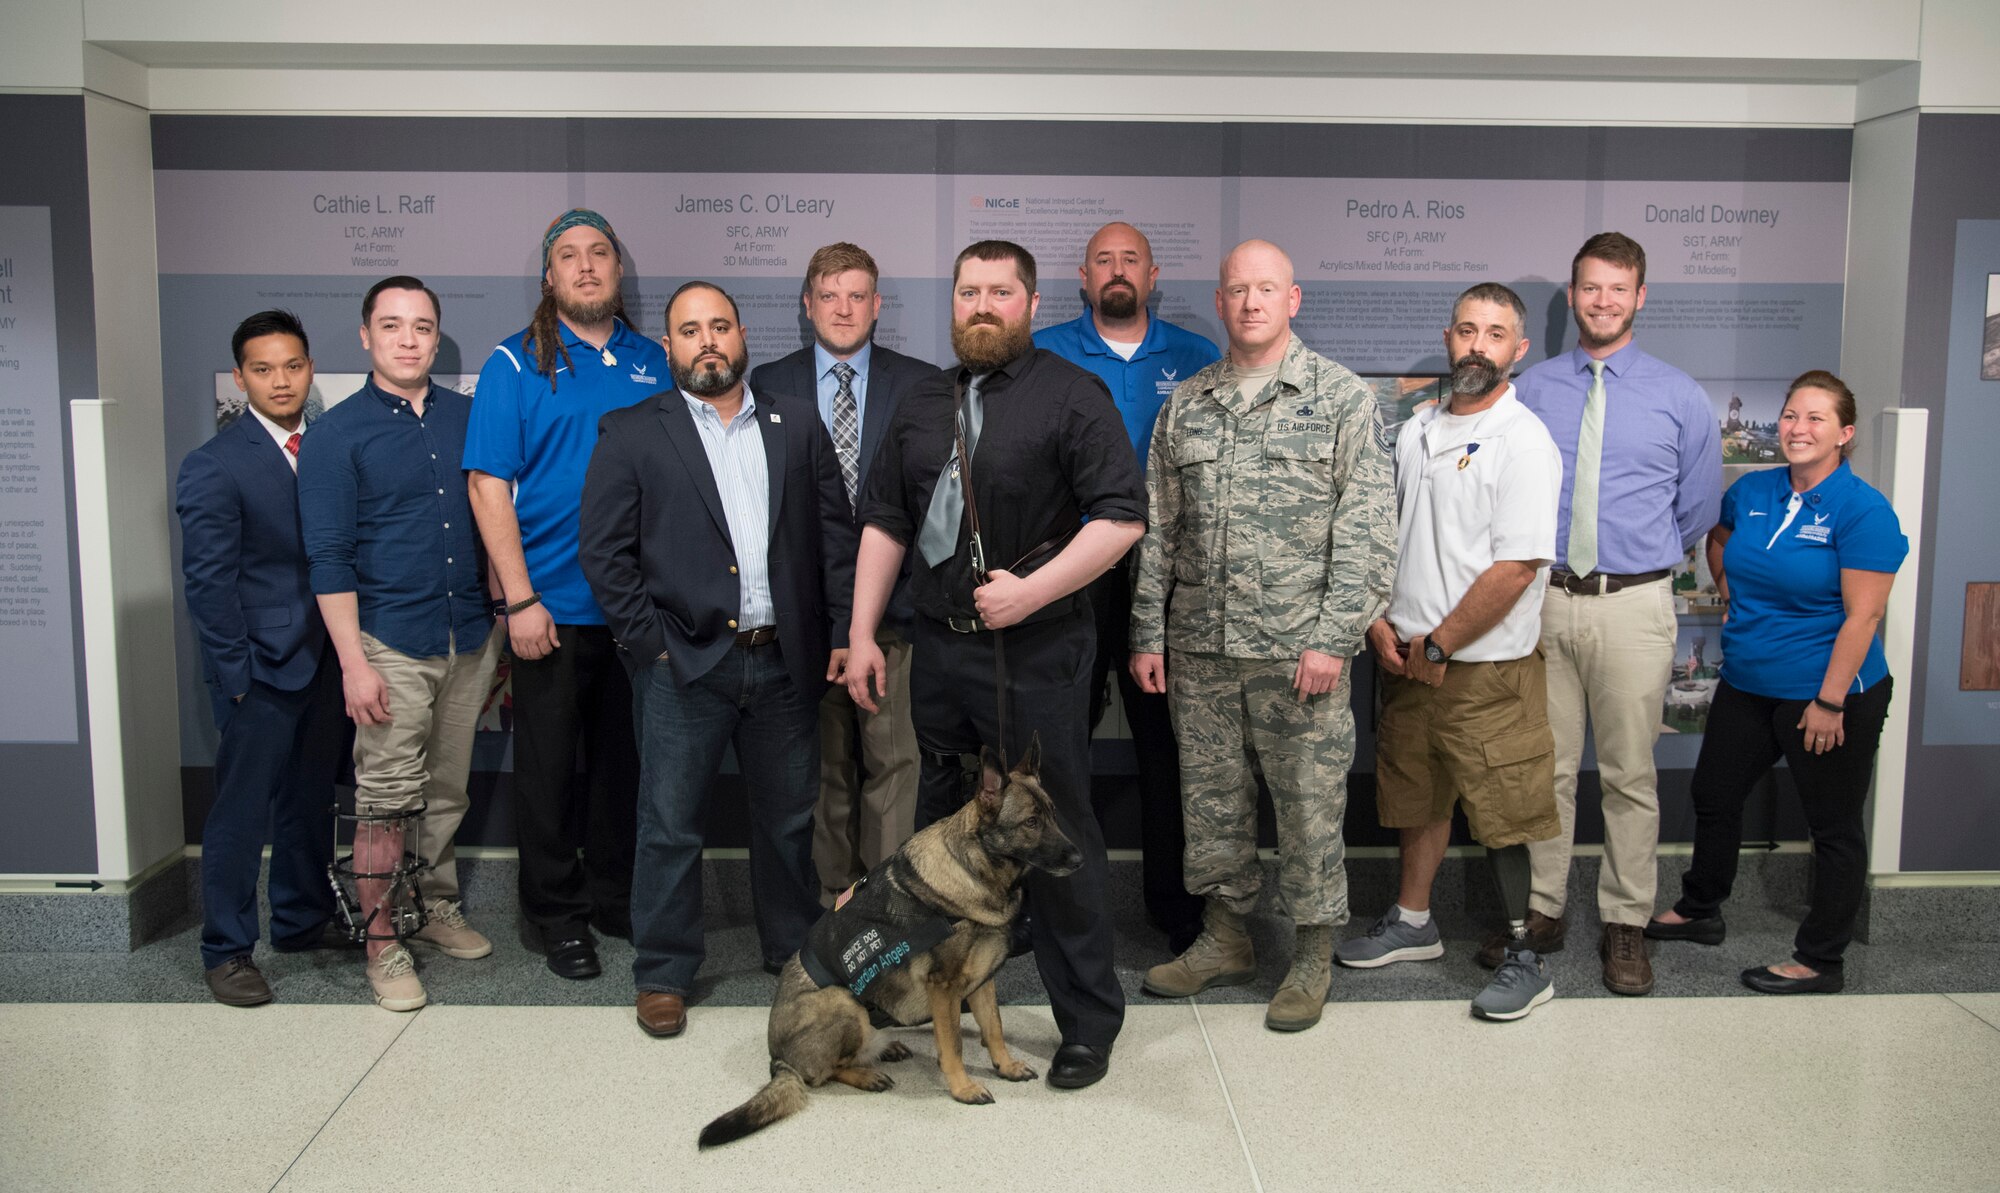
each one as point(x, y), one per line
point(1047, 451)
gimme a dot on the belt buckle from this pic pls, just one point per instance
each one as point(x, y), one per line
point(963, 625)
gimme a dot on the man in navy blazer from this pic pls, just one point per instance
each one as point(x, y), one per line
point(717, 537)
point(275, 690)
point(868, 760)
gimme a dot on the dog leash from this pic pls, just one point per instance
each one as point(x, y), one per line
point(979, 574)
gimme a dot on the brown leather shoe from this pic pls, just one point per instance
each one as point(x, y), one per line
point(1545, 936)
point(1626, 967)
point(662, 1014)
point(237, 982)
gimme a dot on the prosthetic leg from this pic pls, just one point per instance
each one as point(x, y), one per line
point(1522, 982)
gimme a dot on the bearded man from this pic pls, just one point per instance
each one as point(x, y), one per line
point(1058, 497)
point(717, 537)
point(534, 422)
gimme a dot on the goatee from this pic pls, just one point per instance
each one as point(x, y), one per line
point(984, 343)
point(1117, 301)
point(1475, 376)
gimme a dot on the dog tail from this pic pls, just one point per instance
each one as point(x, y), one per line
point(782, 1096)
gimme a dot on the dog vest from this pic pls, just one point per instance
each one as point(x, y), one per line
point(874, 927)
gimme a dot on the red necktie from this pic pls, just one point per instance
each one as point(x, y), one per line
point(292, 444)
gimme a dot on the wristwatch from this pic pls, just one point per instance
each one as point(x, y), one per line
point(1435, 653)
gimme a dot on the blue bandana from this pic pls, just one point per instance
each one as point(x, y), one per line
point(577, 217)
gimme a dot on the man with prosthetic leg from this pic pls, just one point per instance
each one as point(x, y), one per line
point(1464, 691)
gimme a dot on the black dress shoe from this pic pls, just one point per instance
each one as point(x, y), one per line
point(1078, 1065)
point(1763, 981)
point(574, 959)
point(1706, 930)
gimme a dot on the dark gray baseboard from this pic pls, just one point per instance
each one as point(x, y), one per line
point(167, 901)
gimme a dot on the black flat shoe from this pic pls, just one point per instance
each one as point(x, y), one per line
point(574, 959)
point(1078, 1065)
point(1763, 981)
point(1706, 930)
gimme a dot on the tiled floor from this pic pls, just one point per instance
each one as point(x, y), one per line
point(1857, 1092)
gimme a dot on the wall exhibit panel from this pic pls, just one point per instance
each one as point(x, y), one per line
point(1386, 223)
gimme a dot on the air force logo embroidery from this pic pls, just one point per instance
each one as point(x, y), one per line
point(1170, 374)
point(1306, 411)
point(639, 375)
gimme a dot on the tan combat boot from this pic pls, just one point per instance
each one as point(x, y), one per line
point(1220, 956)
point(1302, 995)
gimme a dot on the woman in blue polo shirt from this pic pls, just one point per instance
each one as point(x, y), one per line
point(1803, 557)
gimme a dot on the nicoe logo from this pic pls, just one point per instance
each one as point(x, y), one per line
point(983, 203)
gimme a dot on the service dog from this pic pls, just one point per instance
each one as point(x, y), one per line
point(924, 930)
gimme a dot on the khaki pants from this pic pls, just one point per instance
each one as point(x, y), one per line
point(1609, 660)
point(867, 799)
point(425, 751)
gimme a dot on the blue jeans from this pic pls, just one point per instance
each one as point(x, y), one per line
point(750, 701)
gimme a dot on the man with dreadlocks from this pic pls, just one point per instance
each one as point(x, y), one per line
point(534, 422)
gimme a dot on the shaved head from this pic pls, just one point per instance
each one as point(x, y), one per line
point(1257, 259)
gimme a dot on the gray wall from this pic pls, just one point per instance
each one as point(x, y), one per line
point(45, 789)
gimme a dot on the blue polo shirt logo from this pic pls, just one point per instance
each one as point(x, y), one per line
point(639, 375)
point(1817, 531)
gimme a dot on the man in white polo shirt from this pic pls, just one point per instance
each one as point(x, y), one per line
point(1464, 693)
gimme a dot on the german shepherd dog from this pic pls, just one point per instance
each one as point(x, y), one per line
point(963, 873)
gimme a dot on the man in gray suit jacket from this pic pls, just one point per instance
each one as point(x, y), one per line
point(868, 761)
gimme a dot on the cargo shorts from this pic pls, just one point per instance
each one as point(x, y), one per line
point(1481, 739)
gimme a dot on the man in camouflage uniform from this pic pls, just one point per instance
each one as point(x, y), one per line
point(1270, 548)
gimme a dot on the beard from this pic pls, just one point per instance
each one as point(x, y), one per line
point(1475, 376)
point(1118, 300)
point(587, 313)
point(1589, 339)
point(983, 351)
point(707, 376)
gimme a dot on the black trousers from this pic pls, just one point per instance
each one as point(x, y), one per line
point(1746, 736)
point(576, 694)
point(952, 703)
point(1162, 837)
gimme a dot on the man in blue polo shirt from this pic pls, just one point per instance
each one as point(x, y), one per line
point(1141, 359)
point(395, 566)
point(534, 424)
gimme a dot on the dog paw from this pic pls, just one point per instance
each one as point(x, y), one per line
point(974, 1094)
point(896, 1051)
point(876, 1082)
point(1015, 1071)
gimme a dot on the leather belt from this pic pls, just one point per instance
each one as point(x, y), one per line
point(758, 637)
point(1600, 583)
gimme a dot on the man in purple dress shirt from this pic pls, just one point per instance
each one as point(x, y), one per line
point(1642, 482)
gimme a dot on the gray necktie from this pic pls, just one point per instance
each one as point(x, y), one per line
point(1583, 494)
point(938, 541)
point(847, 429)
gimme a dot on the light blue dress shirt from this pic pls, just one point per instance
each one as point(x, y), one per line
point(736, 457)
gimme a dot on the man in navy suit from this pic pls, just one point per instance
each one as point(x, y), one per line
point(717, 537)
point(867, 796)
point(275, 690)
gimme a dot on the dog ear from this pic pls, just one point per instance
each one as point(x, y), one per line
point(991, 780)
point(1030, 764)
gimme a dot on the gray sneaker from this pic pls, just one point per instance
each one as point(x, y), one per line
point(1520, 985)
point(1389, 941)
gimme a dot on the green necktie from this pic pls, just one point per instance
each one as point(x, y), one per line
point(1583, 495)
